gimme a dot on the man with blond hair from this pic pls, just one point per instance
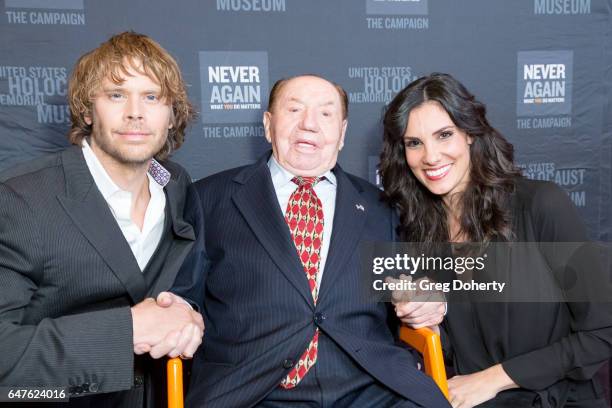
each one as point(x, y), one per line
point(90, 235)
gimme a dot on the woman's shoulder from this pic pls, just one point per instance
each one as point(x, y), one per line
point(539, 195)
point(550, 211)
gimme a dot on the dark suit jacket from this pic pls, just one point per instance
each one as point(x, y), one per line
point(68, 279)
point(258, 310)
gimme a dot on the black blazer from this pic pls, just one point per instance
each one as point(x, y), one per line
point(258, 311)
point(68, 279)
point(550, 349)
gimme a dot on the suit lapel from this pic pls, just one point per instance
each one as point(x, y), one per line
point(349, 219)
point(89, 211)
point(181, 234)
point(257, 202)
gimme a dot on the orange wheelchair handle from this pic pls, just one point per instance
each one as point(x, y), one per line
point(426, 342)
point(175, 383)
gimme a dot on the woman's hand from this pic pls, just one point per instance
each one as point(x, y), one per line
point(467, 391)
point(421, 314)
point(418, 308)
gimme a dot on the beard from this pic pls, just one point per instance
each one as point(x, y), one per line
point(132, 155)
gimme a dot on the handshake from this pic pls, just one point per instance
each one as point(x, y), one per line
point(166, 326)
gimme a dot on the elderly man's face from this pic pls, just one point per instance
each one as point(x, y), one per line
point(306, 126)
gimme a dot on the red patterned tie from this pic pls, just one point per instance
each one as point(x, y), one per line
point(304, 216)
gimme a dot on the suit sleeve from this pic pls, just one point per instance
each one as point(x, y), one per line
point(589, 343)
point(191, 278)
point(71, 350)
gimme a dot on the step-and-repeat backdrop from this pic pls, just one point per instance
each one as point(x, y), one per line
point(543, 67)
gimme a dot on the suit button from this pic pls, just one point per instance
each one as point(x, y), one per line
point(318, 318)
point(288, 363)
point(138, 381)
point(93, 387)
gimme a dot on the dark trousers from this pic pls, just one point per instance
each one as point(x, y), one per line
point(335, 381)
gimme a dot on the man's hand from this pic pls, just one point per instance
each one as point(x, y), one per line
point(186, 342)
point(467, 391)
point(166, 299)
point(418, 308)
point(166, 327)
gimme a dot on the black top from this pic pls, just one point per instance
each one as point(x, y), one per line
point(549, 349)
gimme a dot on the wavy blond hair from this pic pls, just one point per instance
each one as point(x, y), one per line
point(113, 59)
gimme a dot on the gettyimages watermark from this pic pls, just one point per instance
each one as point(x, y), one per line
point(491, 272)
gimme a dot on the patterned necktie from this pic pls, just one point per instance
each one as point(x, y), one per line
point(304, 217)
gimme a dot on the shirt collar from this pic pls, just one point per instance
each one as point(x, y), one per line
point(281, 176)
point(106, 185)
point(159, 173)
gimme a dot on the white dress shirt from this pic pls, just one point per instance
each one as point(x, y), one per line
point(142, 242)
point(325, 190)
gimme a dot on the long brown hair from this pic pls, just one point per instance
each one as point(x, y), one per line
point(483, 204)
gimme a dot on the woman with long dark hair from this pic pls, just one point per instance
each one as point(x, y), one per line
point(452, 178)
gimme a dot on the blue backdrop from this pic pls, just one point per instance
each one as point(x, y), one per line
point(543, 67)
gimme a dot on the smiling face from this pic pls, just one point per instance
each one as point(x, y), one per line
point(130, 121)
point(437, 152)
point(306, 126)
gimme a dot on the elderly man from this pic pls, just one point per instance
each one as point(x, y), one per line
point(277, 273)
point(90, 234)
